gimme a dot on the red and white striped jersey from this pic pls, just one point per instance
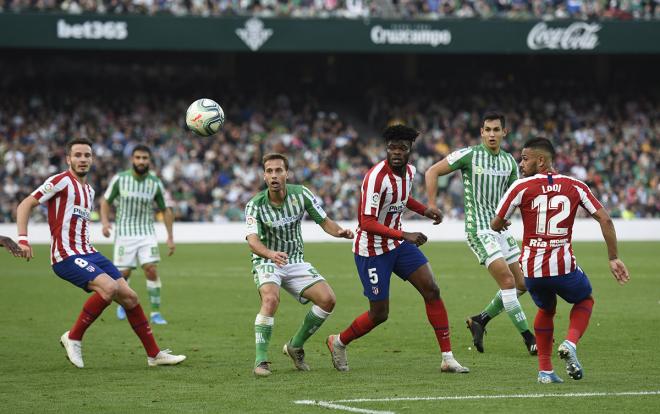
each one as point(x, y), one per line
point(69, 208)
point(548, 204)
point(384, 196)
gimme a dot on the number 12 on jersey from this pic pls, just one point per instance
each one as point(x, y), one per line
point(559, 203)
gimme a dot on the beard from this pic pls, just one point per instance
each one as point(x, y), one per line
point(140, 170)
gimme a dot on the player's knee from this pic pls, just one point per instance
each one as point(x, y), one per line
point(379, 316)
point(128, 299)
point(431, 293)
point(150, 272)
point(270, 303)
point(327, 303)
point(108, 290)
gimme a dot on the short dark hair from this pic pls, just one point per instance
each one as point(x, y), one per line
point(275, 156)
point(141, 147)
point(493, 115)
point(540, 143)
point(400, 132)
point(74, 141)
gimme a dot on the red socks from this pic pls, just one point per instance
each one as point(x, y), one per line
point(91, 310)
point(437, 315)
point(139, 323)
point(544, 328)
point(579, 319)
point(360, 326)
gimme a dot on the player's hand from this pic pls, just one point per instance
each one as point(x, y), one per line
point(345, 233)
point(279, 258)
point(505, 226)
point(106, 229)
point(619, 271)
point(11, 246)
point(415, 238)
point(434, 214)
point(26, 250)
point(170, 247)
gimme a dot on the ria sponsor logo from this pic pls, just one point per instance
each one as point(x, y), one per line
point(551, 243)
point(395, 208)
point(92, 29)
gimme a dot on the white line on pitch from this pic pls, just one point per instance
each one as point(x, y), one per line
point(333, 404)
point(328, 404)
point(488, 397)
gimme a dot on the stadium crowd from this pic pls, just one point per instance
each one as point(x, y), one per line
point(404, 9)
point(614, 146)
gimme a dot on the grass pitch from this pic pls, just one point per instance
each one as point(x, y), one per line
point(210, 300)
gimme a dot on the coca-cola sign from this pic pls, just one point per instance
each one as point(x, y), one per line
point(577, 36)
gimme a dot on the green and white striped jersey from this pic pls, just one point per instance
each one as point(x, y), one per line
point(278, 227)
point(486, 177)
point(135, 197)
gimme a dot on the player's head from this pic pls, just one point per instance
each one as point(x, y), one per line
point(537, 156)
point(79, 156)
point(276, 170)
point(141, 158)
point(493, 130)
point(398, 143)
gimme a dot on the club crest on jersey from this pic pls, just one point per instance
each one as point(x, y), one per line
point(81, 212)
point(375, 200)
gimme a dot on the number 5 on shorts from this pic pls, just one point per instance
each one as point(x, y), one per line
point(373, 276)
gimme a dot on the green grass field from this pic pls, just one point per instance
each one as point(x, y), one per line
point(210, 300)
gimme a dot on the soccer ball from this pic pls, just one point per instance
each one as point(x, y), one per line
point(205, 117)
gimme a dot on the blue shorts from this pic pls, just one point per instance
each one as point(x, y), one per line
point(572, 287)
point(83, 268)
point(375, 271)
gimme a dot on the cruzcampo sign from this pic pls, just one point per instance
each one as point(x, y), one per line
point(255, 35)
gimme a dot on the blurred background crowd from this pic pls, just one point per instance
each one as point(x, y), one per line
point(404, 9)
point(611, 143)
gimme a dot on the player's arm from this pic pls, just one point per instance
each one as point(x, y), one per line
point(507, 205)
point(164, 201)
point(108, 197)
point(105, 217)
point(441, 167)
point(617, 267)
point(11, 246)
point(332, 228)
point(431, 212)
point(23, 212)
point(260, 249)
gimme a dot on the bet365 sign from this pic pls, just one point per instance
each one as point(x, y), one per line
point(92, 30)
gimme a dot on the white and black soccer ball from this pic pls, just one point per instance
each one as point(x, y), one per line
point(205, 117)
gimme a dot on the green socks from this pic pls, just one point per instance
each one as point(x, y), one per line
point(153, 289)
point(513, 309)
point(263, 329)
point(313, 321)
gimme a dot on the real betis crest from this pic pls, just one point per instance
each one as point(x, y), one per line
point(254, 34)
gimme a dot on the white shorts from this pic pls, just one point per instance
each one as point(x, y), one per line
point(489, 245)
point(295, 278)
point(131, 250)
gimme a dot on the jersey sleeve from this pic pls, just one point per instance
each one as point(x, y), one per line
point(514, 172)
point(372, 191)
point(313, 206)
point(459, 159)
point(50, 188)
point(510, 200)
point(162, 198)
point(113, 190)
point(587, 199)
point(251, 219)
